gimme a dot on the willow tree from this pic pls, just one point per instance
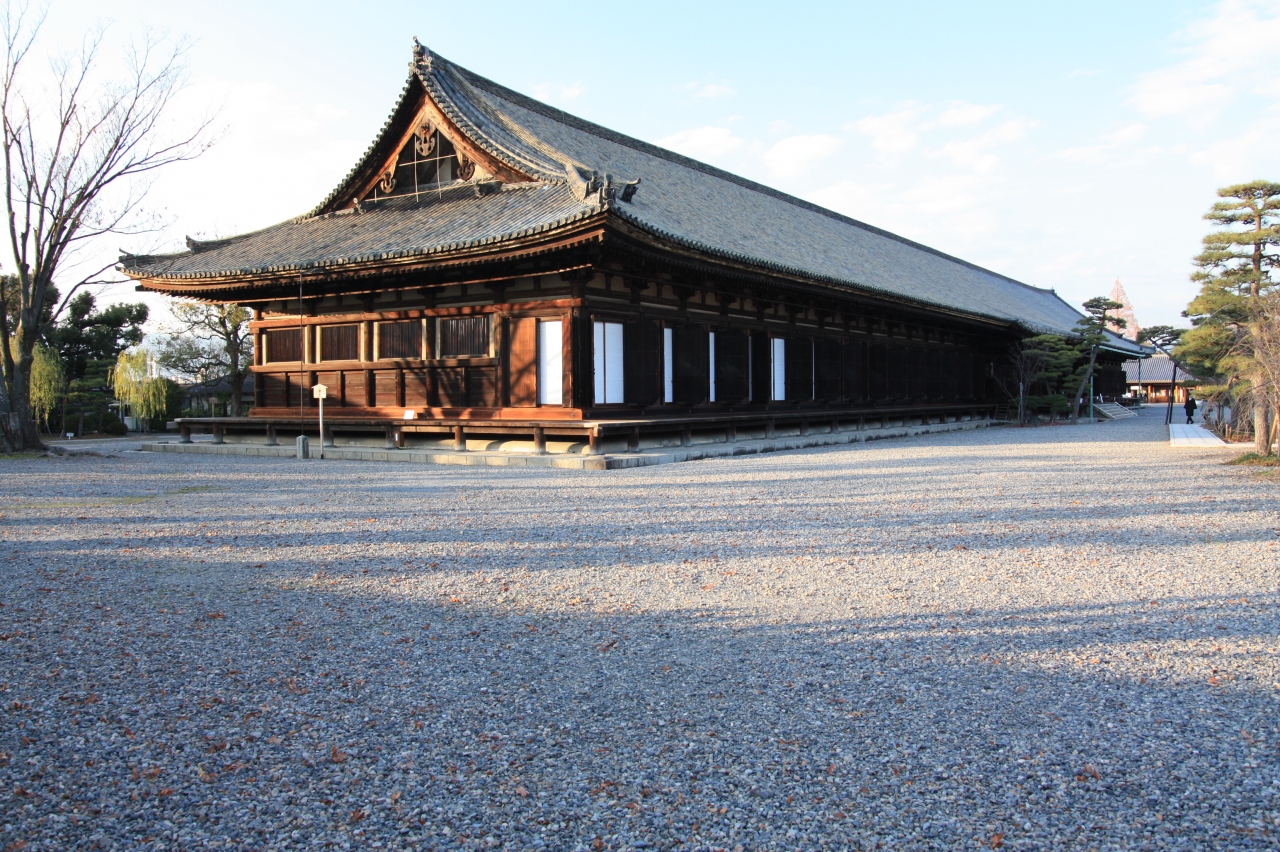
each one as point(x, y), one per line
point(135, 383)
point(1236, 274)
point(48, 383)
point(79, 150)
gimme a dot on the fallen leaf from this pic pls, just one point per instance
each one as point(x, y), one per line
point(205, 775)
point(997, 840)
point(1089, 772)
point(337, 756)
point(522, 792)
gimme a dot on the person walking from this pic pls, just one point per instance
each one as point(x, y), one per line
point(1190, 408)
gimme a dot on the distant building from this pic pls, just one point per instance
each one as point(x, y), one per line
point(1131, 328)
point(1153, 377)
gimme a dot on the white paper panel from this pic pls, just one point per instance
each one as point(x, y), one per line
point(613, 371)
point(668, 382)
point(779, 369)
point(550, 362)
point(711, 350)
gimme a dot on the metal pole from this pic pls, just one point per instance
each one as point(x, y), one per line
point(1140, 384)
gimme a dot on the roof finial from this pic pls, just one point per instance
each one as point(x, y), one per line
point(419, 52)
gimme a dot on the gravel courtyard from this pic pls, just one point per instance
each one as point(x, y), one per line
point(1015, 639)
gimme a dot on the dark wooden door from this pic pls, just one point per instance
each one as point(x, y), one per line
point(523, 363)
point(691, 374)
point(642, 362)
point(761, 369)
point(799, 369)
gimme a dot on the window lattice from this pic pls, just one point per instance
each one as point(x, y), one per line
point(464, 337)
point(426, 163)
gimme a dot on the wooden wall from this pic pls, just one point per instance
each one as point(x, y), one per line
point(366, 356)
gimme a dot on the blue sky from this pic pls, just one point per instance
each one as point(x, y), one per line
point(1066, 144)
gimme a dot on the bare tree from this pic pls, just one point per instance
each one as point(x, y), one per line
point(212, 343)
point(1028, 362)
point(78, 155)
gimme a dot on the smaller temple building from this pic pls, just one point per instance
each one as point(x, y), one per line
point(1153, 379)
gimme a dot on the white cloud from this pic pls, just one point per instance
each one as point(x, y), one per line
point(798, 155)
point(1112, 147)
point(558, 93)
point(976, 152)
point(1241, 156)
point(963, 114)
point(708, 90)
point(1221, 63)
point(704, 143)
point(893, 133)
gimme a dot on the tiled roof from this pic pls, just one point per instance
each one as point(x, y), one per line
point(453, 219)
point(1155, 370)
point(679, 200)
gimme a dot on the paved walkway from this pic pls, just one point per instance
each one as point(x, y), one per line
point(1183, 435)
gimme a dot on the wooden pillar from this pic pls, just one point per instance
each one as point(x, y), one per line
point(732, 433)
point(500, 323)
point(769, 428)
point(391, 438)
point(804, 426)
point(686, 436)
point(593, 440)
point(459, 439)
point(271, 435)
point(633, 440)
point(574, 331)
point(366, 341)
point(539, 440)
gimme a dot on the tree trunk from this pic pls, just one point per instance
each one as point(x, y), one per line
point(1261, 428)
point(1084, 383)
point(237, 384)
point(26, 436)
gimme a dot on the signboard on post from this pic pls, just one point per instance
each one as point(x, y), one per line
point(320, 392)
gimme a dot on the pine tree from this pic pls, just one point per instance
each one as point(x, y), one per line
point(1092, 329)
point(1235, 273)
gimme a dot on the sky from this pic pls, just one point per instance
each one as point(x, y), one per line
point(1066, 145)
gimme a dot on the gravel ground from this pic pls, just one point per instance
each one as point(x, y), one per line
point(1019, 639)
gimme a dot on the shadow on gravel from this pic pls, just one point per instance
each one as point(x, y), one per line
point(332, 714)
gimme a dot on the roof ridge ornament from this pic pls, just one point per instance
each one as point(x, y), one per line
point(421, 55)
point(604, 186)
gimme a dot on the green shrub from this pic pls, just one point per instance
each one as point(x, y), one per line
point(112, 425)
